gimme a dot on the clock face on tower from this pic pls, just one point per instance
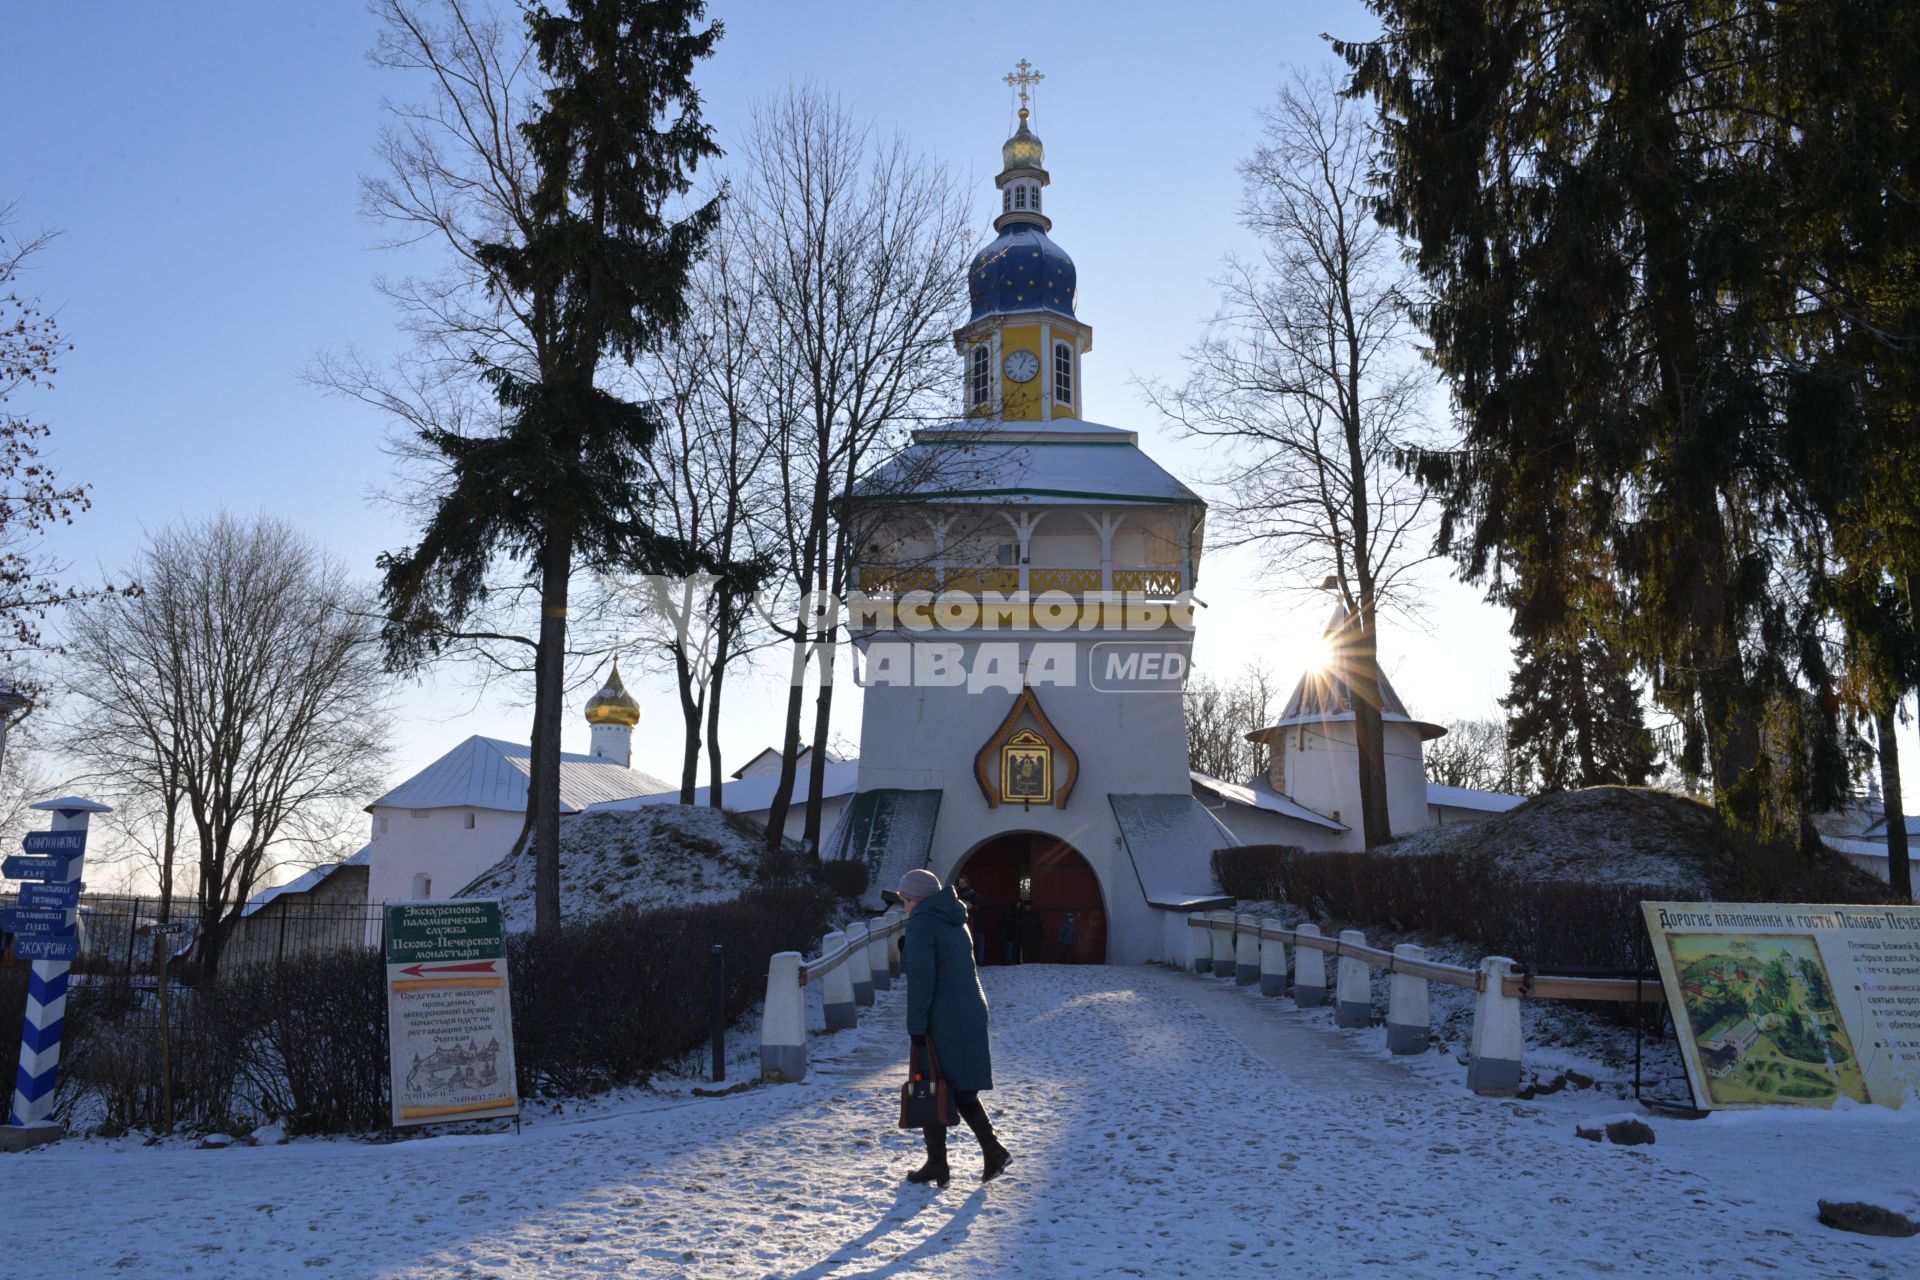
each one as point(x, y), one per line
point(1022, 365)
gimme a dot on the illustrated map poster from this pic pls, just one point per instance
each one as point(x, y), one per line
point(449, 1021)
point(1788, 1003)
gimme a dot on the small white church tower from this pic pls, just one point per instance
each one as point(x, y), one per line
point(613, 712)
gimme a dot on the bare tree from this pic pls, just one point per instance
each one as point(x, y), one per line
point(238, 700)
point(1308, 373)
point(859, 248)
point(1220, 714)
point(709, 470)
point(1475, 754)
point(32, 499)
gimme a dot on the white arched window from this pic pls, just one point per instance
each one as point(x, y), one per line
point(1006, 200)
point(1062, 373)
point(1035, 197)
point(1019, 195)
point(979, 376)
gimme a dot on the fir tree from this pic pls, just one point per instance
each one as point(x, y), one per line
point(1669, 258)
point(1573, 715)
point(597, 268)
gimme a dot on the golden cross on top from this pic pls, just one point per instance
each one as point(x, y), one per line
point(1023, 77)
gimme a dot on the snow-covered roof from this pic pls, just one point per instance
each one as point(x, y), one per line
point(1171, 840)
point(890, 829)
point(1259, 794)
point(488, 773)
point(1469, 798)
point(749, 795)
point(1878, 827)
point(1324, 694)
point(1857, 846)
point(1074, 464)
point(768, 754)
point(307, 881)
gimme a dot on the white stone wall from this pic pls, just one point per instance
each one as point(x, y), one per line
point(1318, 766)
point(1131, 742)
point(436, 843)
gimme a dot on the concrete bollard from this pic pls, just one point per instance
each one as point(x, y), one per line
point(1199, 943)
point(859, 968)
point(1495, 1066)
point(877, 954)
point(1409, 1020)
point(1354, 986)
point(1246, 951)
point(896, 916)
point(1220, 939)
point(1309, 971)
point(836, 987)
point(1273, 961)
point(783, 1023)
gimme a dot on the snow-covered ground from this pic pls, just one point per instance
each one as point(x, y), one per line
point(1162, 1125)
point(661, 856)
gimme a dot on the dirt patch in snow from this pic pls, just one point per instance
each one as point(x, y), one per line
point(657, 856)
point(1636, 835)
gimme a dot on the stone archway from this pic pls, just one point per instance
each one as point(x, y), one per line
point(1053, 882)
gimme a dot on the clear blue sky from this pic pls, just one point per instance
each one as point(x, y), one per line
point(202, 161)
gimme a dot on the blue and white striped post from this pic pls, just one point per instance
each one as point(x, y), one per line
point(47, 997)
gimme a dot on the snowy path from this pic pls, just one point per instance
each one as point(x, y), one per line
point(1162, 1125)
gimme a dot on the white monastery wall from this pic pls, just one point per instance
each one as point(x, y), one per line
point(436, 844)
point(1120, 738)
point(1319, 768)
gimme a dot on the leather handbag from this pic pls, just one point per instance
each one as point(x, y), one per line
point(926, 1099)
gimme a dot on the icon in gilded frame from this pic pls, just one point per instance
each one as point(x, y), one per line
point(1026, 769)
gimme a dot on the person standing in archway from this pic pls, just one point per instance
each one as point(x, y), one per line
point(947, 1009)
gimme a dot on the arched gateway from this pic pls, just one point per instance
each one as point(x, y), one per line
point(1029, 885)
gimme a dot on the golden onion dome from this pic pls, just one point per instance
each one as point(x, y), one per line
point(1023, 149)
point(613, 704)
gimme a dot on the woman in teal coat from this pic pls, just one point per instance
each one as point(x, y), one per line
point(946, 1006)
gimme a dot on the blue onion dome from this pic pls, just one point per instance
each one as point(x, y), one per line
point(1023, 149)
point(1022, 270)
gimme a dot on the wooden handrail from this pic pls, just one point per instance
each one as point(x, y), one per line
point(1615, 990)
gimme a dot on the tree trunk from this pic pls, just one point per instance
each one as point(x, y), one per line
point(1363, 679)
point(789, 746)
point(1899, 869)
point(691, 717)
point(817, 766)
point(716, 777)
point(543, 791)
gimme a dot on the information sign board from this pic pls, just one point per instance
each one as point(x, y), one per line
point(35, 866)
point(61, 897)
point(29, 920)
point(43, 946)
point(1792, 1003)
point(449, 1019)
point(68, 843)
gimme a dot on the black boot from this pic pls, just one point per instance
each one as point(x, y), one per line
point(995, 1155)
point(997, 1158)
point(934, 1171)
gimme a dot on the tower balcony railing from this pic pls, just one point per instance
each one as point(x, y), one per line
point(1154, 582)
